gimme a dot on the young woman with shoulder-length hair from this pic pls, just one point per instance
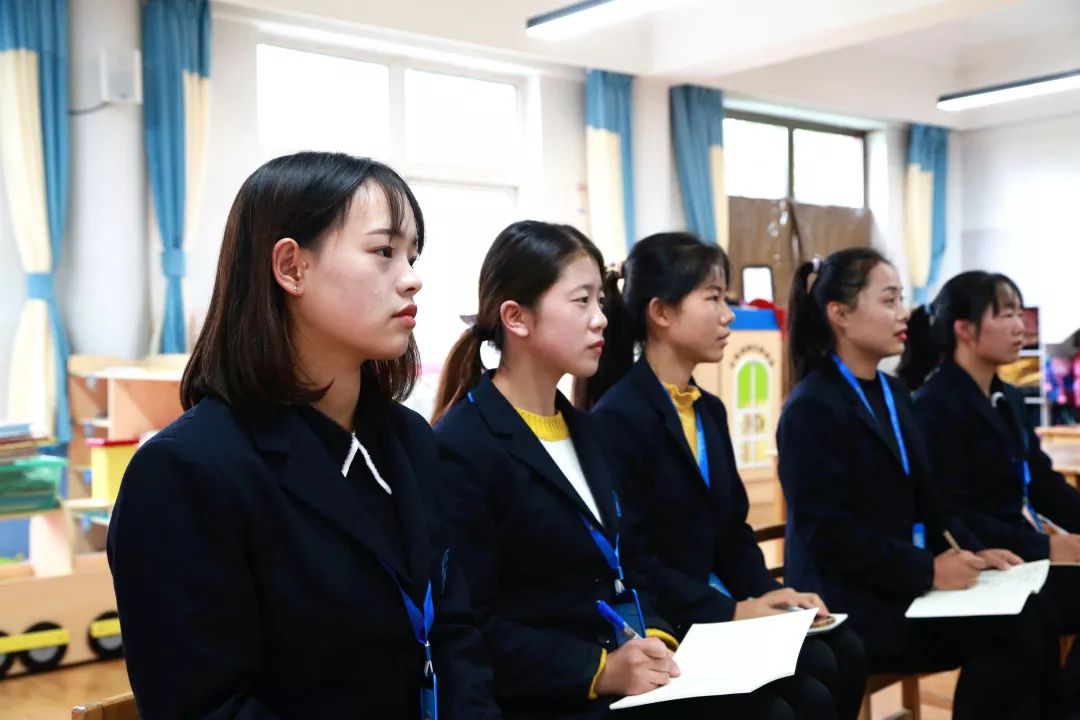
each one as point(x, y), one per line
point(275, 551)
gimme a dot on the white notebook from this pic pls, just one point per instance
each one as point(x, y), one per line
point(997, 592)
point(732, 657)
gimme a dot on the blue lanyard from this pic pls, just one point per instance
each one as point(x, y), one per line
point(702, 455)
point(1024, 470)
point(421, 622)
point(610, 553)
point(918, 529)
point(890, 403)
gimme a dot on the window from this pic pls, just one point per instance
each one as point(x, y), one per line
point(458, 139)
point(755, 159)
point(308, 101)
point(481, 132)
point(828, 168)
point(771, 158)
point(461, 223)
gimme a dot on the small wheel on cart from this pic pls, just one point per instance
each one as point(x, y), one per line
point(46, 658)
point(6, 659)
point(106, 647)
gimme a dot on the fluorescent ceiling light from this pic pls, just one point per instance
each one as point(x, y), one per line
point(1020, 90)
point(583, 17)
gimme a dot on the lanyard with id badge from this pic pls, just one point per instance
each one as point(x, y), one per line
point(918, 529)
point(421, 622)
point(626, 603)
point(1023, 469)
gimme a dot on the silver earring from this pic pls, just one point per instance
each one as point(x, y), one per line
point(296, 287)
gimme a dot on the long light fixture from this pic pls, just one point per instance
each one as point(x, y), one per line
point(1008, 92)
point(582, 17)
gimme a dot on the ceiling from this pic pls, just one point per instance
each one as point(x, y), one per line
point(885, 60)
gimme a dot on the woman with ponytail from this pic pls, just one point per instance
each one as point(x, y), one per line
point(987, 457)
point(537, 516)
point(668, 443)
point(866, 526)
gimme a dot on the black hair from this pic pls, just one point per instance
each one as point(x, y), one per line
point(525, 260)
point(932, 328)
point(840, 278)
point(243, 355)
point(666, 266)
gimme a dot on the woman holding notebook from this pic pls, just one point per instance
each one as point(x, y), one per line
point(668, 443)
point(538, 517)
point(990, 461)
point(866, 524)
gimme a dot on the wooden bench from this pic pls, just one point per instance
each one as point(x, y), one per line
point(118, 707)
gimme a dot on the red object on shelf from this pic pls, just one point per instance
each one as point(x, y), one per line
point(102, 442)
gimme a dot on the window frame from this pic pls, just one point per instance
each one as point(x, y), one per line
point(514, 176)
point(792, 125)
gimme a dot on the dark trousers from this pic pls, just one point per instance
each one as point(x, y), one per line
point(1062, 597)
point(838, 661)
point(1009, 664)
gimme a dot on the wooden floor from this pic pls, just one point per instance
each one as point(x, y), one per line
point(50, 696)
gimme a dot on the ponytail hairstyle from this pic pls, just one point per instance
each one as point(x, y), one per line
point(667, 266)
point(839, 278)
point(932, 328)
point(525, 260)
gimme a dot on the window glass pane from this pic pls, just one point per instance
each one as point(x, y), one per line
point(755, 159)
point(460, 224)
point(310, 101)
point(829, 169)
point(460, 122)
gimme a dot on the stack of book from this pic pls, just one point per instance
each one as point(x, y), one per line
point(29, 481)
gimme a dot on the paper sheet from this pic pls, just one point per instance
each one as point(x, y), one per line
point(997, 592)
point(732, 657)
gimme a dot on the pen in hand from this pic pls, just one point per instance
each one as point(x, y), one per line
point(621, 626)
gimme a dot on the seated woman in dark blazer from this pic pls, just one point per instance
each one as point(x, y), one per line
point(988, 458)
point(669, 444)
point(275, 551)
point(866, 523)
point(536, 515)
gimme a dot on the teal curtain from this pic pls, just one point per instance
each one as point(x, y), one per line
point(697, 131)
point(928, 155)
point(176, 58)
point(608, 108)
point(41, 27)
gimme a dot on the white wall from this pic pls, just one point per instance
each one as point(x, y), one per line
point(1021, 185)
point(104, 295)
point(561, 196)
point(657, 200)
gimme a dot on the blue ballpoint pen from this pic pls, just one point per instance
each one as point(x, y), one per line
point(620, 625)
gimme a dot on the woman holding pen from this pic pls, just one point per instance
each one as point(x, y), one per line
point(866, 525)
point(538, 519)
point(988, 458)
point(668, 443)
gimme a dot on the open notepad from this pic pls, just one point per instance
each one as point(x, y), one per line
point(732, 657)
point(997, 592)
